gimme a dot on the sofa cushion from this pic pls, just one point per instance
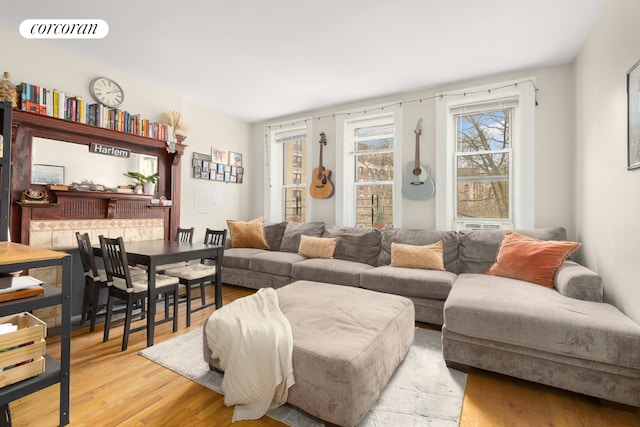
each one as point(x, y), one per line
point(278, 263)
point(409, 282)
point(247, 234)
point(317, 247)
point(419, 238)
point(293, 231)
point(273, 234)
point(525, 258)
point(427, 256)
point(359, 244)
point(478, 248)
point(335, 271)
point(540, 318)
point(239, 257)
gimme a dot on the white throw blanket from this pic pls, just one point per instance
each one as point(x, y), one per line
point(252, 340)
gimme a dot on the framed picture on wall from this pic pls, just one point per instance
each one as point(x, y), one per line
point(47, 174)
point(633, 117)
point(219, 155)
point(235, 159)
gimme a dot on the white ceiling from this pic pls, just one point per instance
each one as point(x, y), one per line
point(259, 59)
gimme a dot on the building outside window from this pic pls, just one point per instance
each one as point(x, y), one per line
point(288, 170)
point(368, 164)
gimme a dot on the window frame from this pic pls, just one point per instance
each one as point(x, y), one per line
point(522, 172)
point(274, 186)
point(345, 179)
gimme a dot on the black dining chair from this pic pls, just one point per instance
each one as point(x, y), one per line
point(199, 274)
point(133, 289)
point(95, 279)
point(183, 235)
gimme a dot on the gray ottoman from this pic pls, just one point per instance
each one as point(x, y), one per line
point(347, 342)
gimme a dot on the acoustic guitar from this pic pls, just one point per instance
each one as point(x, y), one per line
point(417, 183)
point(321, 187)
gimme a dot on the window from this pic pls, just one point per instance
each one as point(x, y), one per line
point(368, 164)
point(287, 154)
point(485, 158)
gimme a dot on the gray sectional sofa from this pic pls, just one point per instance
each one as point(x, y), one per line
point(563, 336)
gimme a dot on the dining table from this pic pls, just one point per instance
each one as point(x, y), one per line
point(152, 253)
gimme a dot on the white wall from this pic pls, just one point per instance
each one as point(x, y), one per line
point(42, 64)
point(607, 202)
point(554, 147)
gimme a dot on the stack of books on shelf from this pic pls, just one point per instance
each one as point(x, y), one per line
point(55, 103)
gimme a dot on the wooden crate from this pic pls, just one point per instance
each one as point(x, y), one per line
point(21, 352)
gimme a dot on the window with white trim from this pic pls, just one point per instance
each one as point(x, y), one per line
point(485, 158)
point(368, 144)
point(287, 154)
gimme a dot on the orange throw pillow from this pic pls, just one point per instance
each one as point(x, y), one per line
point(247, 234)
point(525, 258)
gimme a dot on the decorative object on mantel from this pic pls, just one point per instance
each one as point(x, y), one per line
point(177, 128)
point(148, 182)
point(32, 195)
point(8, 90)
point(87, 185)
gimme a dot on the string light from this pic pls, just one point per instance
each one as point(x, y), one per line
point(419, 100)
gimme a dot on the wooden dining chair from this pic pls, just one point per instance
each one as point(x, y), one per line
point(94, 280)
point(132, 289)
point(183, 235)
point(199, 274)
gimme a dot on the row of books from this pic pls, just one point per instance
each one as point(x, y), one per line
point(58, 104)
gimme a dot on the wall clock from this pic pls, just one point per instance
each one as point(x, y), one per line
point(106, 91)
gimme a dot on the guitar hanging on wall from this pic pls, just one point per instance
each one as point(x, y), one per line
point(321, 187)
point(417, 183)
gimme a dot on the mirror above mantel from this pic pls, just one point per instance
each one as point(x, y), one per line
point(81, 165)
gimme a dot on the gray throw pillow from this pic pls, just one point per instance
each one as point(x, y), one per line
point(291, 238)
point(355, 244)
point(273, 234)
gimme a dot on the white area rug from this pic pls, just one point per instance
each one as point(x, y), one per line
point(422, 391)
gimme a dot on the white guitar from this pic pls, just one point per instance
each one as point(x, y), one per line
point(417, 184)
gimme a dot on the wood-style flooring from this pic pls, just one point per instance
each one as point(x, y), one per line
point(114, 388)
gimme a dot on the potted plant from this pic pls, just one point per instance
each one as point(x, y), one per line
point(379, 221)
point(148, 182)
point(377, 212)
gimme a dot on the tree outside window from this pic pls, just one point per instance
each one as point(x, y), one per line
point(483, 158)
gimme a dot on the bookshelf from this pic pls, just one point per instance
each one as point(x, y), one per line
point(5, 168)
point(15, 257)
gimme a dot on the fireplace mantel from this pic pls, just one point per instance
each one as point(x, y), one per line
point(90, 205)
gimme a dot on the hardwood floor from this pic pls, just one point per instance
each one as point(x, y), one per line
point(114, 388)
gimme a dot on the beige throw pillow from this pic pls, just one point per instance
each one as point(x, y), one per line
point(427, 257)
point(247, 234)
point(317, 247)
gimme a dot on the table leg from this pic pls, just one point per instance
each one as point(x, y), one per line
point(218, 290)
point(151, 303)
